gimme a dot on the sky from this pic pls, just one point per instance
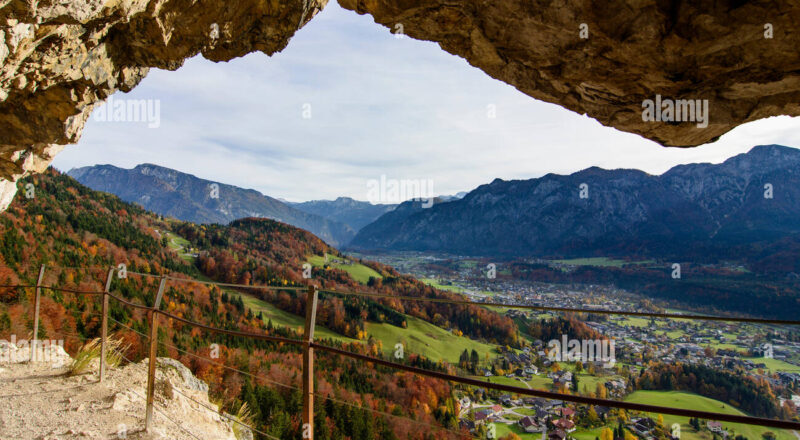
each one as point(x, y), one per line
point(347, 102)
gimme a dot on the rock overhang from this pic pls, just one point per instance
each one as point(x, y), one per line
point(603, 59)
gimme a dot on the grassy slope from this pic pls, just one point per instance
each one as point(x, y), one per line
point(678, 399)
point(179, 245)
point(285, 319)
point(775, 365)
point(357, 271)
point(420, 337)
point(425, 338)
point(435, 283)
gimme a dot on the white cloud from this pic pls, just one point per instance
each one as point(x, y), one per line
point(380, 105)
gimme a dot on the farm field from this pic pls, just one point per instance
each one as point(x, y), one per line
point(600, 261)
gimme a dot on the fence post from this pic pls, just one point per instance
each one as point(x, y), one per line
point(308, 364)
point(151, 371)
point(37, 300)
point(104, 332)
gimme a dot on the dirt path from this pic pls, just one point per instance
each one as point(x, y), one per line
point(40, 402)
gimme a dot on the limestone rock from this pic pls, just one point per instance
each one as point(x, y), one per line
point(740, 56)
point(58, 59)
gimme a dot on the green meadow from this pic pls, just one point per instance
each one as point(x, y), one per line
point(677, 399)
point(419, 337)
point(357, 271)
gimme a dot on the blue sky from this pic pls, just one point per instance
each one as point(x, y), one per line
point(380, 105)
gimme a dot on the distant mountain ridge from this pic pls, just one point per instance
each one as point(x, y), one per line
point(689, 208)
point(186, 197)
point(351, 212)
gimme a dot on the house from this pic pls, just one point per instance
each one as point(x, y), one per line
point(557, 435)
point(505, 400)
point(715, 427)
point(467, 424)
point(529, 424)
point(566, 412)
point(602, 411)
point(566, 425)
point(560, 382)
point(615, 387)
point(541, 403)
point(465, 402)
point(497, 410)
point(643, 427)
point(483, 414)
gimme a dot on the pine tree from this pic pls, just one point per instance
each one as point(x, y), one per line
point(463, 359)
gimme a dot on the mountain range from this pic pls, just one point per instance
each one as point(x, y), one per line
point(752, 197)
point(186, 197)
point(695, 209)
point(351, 212)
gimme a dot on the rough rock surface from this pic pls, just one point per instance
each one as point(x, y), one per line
point(59, 59)
point(41, 402)
point(634, 50)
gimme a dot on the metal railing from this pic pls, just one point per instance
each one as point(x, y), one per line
point(308, 346)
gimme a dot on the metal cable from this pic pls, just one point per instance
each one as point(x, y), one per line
point(281, 384)
point(568, 309)
point(58, 289)
point(209, 360)
point(216, 411)
point(156, 408)
point(242, 286)
point(233, 332)
point(567, 397)
point(216, 283)
point(440, 428)
point(550, 395)
point(225, 415)
point(126, 302)
point(466, 302)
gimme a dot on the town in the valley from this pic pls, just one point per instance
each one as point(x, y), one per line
point(767, 356)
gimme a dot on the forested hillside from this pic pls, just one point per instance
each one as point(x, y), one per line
point(260, 251)
point(67, 225)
